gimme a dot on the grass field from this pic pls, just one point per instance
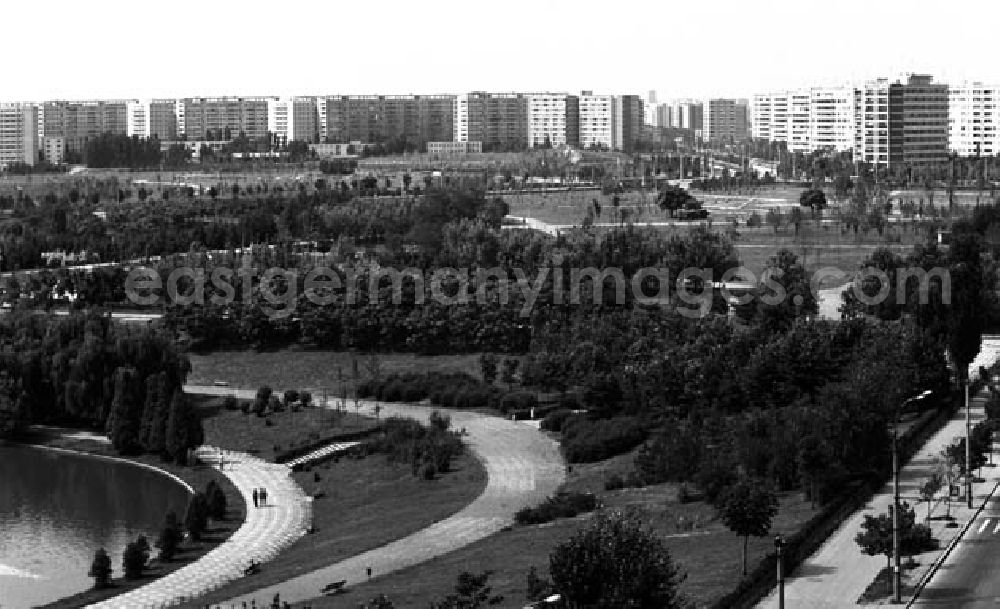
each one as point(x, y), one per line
point(190, 551)
point(234, 430)
point(363, 504)
point(698, 543)
point(313, 370)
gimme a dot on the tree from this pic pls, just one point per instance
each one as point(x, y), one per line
point(196, 516)
point(875, 536)
point(216, 499)
point(508, 370)
point(184, 429)
point(170, 537)
point(135, 558)
point(262, 399)
point(100, 569)
point(616, 562)
point(379, 602)
point(126, 413)
point(488, 365)
point(747, 508)
point(930, 488)
point(471, 592)
point(672, 198)
point(784, 293)
point(814, 199)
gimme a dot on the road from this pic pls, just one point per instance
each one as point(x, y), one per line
point(970, 577)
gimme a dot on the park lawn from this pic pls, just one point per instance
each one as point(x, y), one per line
point(363, 504)
point(314, 370)
point(198, 477)
point(233, 430)
point(700, 545)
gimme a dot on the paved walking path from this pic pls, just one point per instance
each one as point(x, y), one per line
point(264, 533)
point(330, 449)
point(838, 573)
point(524, 467)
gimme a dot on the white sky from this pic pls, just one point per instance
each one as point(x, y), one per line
point(681, 48)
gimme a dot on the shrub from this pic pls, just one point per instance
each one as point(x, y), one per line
point(518, 400)
point(100, 569)
point(135, 557)
point(554, 420)
point(563, 505)
point(586, 440)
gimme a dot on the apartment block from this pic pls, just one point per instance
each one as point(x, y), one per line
point(54, 150)
point(725, 120)
point(687, 115)
point(18, 134)
point(832, 118)
point(553, 119)
point(597, 121)
point(76, 121)
point(221, 115)
point(918, 121)
point(664, 115)
point(498, 120)
point(628, 122)
point(415, 119)
point(973, 118)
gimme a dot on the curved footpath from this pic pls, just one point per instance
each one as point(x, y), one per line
point(264, 533)
point(523, 465)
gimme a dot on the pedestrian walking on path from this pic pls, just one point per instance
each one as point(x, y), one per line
point(263, 496)
point(256, 498)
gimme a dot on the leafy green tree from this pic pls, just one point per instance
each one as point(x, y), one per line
point(616, 562)
point(216, 499)
point(170, 537)
point(126, 412)
point(100, 569)
point(673, 198)
point(814, 199)
point(875, 536)
point(747, 508)
point(471, 592)
point(196, 516)
point(135, 558)
point(184, 428)
point(784, 293)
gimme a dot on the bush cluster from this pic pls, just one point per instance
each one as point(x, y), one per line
point(428, 449)
point(563, 505)
point(586, 440)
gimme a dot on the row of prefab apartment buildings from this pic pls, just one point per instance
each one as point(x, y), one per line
point(912, 120)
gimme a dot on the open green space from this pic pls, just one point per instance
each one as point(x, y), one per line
point(314, 370)
point(249, 433)
point(198, 477)
point(700, 544)
point(363, 504)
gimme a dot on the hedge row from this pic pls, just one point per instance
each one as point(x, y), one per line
point(563, 505)
point(585, 440)
point(451, 390)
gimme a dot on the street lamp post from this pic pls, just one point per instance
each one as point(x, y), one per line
point(897, 571)
point(778, 544)
point(968, 448)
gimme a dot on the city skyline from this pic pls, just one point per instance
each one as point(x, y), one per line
point(442, 47)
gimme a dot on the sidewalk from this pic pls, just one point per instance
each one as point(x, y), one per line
point(264, 533)
point(838, 573)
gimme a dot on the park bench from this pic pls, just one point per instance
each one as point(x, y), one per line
point(334, 588)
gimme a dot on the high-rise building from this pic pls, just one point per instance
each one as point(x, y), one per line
point(871, 140)
point(18, 134)
point(163, 119)
point(725, 120)
point(918, 121)
point(553, 119)
point(664, 115)
point(408, 120)
point(973, 118)
point(223, 117)
point(687, 115)
point(498, 120)
point(597, 121)
point(76, 121)
point(831, 118)
point(628, 122)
